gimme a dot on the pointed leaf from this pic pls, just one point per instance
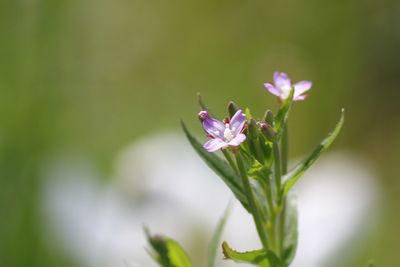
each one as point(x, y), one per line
point(291, 233)
point(290, 179)
point(167, 252)
point(261, 257)
point(202, 105)
point(220, 167)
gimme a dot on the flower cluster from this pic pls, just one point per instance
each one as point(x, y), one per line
point(229, 133)
point(254, 167)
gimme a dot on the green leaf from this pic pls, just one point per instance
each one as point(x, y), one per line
point(258, 171)
point(214, 245)
point(167, 252)
point(201, 103)
point(290, 179)
point(248, 113)
point(291, 232)
point(283, 113)
point(261, 257)
point(220, 167)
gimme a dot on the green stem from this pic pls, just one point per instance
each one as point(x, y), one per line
point(271, 214)
point(285, 149)
point(259, 153)
point(249, 193)
point(282, 217)
point(230, 160)
point(277, 167)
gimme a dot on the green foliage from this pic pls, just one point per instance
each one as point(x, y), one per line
point(220, 167)
point(291, 233)
point(261, 257)
point(167, 252)
point(294, 175)
point(258, 188)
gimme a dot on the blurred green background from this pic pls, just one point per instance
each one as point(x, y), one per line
point(94, 75)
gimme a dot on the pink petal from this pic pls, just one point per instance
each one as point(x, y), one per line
point(301, 87)
point(272, 89)
point(214, 144)
point(282, 80)
point(300, 97)
point(214, 127)
point(237, 122)
point(240, 138)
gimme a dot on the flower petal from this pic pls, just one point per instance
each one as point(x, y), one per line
point(300, 97)
point(272, 89)
point(215, 144)
point(214, 127)
point(282, 81)
point(240, 138)
point(301, 87)
point(237, 122)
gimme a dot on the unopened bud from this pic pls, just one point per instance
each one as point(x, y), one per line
point(269, 117)
point(253, 128)
point(202, 115)
point(232, 108)
point(267, 131)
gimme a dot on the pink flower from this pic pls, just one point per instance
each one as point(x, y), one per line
point(283, 85)
point(223, 134)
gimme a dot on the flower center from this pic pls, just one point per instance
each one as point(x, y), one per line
point(228, 134)
point(285, 91)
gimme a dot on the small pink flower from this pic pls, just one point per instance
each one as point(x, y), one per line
point(282, 86)
point(223, 134)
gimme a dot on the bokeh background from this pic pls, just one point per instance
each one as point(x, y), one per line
point(90, 77)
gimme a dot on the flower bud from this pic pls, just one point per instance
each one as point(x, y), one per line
point(253, 131)
point(267, 131)
point(203, 115)
point(269, 117)
point(232, 108)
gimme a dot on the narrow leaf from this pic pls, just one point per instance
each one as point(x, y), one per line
point(220, 167)
point(261, 257)
point(177, 255)
point(167, 252)
point(214, 245)
point(291, 233)
point(201, 103)
point(290, 179)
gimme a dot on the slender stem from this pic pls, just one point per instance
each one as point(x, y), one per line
point(259, 153)
point(282, 217)
point(285, 149)
point(249, 193)
point(277, 167)
point(271, 214)
point(230, 160)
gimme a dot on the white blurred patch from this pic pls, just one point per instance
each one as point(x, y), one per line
point(161, 183)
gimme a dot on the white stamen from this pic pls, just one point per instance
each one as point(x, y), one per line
point(228, 134)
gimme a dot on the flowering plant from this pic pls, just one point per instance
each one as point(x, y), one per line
point(255, 168)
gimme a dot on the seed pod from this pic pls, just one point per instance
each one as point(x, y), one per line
point(253, 131)
point(232, 108)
